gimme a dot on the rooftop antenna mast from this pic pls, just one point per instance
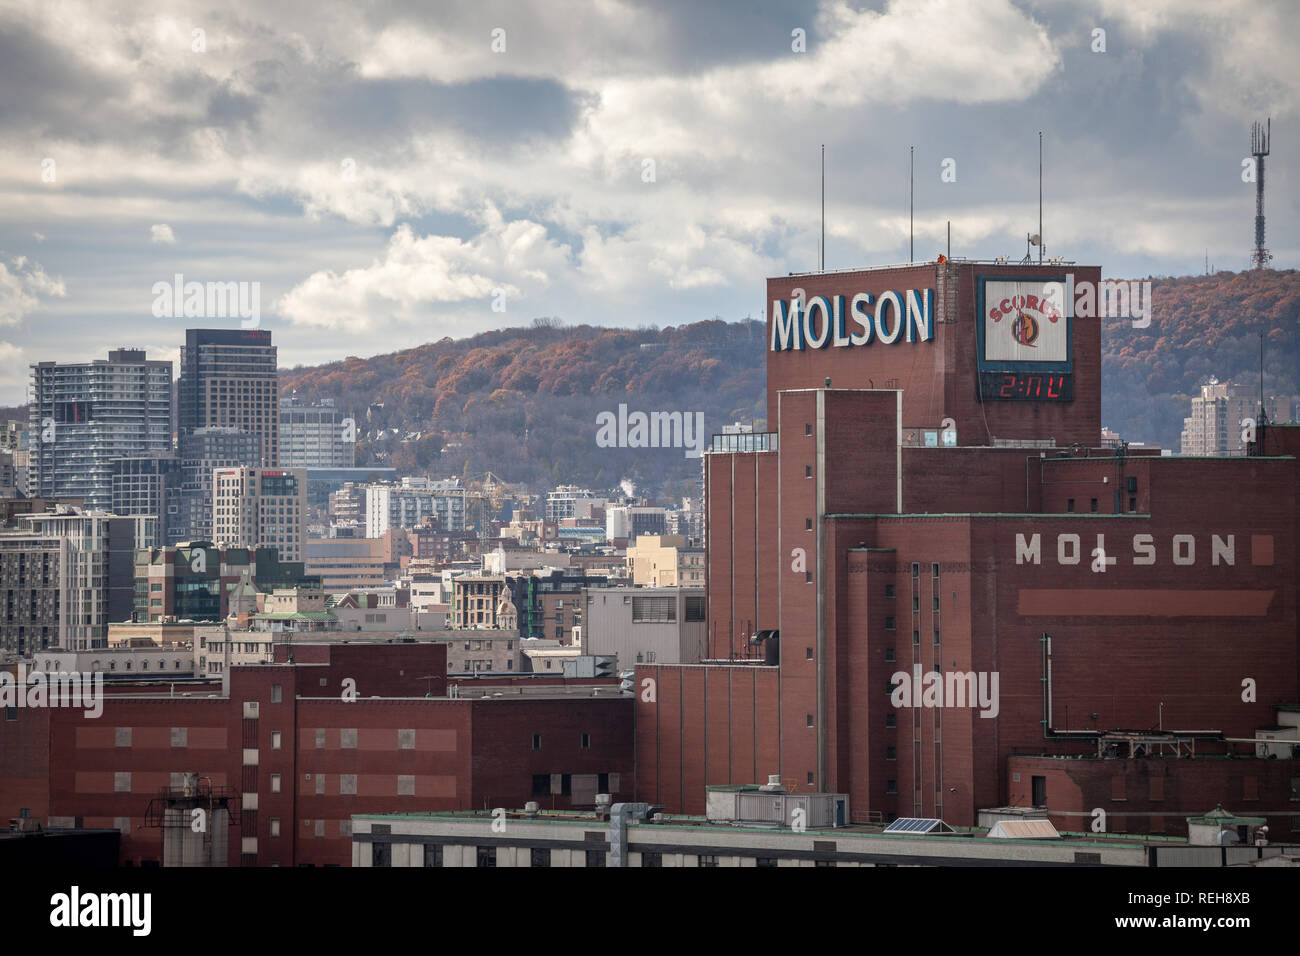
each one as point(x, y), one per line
point(821, 257)
point(1259, 137)
point(1040, 197)
point(911, 204)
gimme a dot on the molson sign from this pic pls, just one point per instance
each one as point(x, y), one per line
point(840, 321)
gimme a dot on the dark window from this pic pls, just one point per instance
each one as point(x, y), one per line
point(891, 753)
point(889, 590)
point(708, 861)
point(916, 636)
point(1039, 791)
point(586, 741)
point(381, 854)
point(595, 858)
point(807, 524)
point(1069, 505)
point(807, 471)
point(486, 856)
point(539, 858)
point(654, 860)
point(541, 784)
point(889, 624)
point(432, 854)
point(807, 654)
point(537, 741)
point(696, 609)
point(891, 786)
point(1132, 504)
point(916, 570)
point(765, 861)
point(11, 713)
point(934, 570)
point(891, 720)
point(824, 863)
point(807, 429)
point(807, 576)
point(889, 654)
point(1094, 505)
point(566, 785)
point(936, 635)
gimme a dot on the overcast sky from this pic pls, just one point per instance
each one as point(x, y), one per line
point(388, 174)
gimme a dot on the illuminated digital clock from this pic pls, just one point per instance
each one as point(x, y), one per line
point(1027, 386)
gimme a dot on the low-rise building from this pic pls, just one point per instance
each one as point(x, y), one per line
point(663, 625)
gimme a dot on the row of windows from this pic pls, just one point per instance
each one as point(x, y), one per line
point(584, 740)
point(381, 855)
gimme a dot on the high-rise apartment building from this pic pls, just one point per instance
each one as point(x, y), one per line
point(229, 379)
point(151, 485)
point(261, 507)
point(85, 416)
point(405, 505)
point(201, 452)
point(66, 574)
point(316, 436)
point(1215, 427)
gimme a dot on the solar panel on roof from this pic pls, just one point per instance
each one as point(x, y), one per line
point(918, 825)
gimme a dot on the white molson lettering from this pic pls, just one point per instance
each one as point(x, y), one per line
point(822, 321)
point(1181, 549)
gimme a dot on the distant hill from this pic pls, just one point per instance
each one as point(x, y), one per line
point(524, 402)
point(1201, 326)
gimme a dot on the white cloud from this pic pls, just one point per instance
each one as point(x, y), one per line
point(14, 370)
point(22, 288)
point(161, 233)
point(420, 275)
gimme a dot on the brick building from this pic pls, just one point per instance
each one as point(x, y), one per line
point(300, 759)
point(932, 501)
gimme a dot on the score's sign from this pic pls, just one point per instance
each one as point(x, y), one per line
point(1025, 338)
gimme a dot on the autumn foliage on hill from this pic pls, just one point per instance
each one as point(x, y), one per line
point(523, 402)
point(1201, 327)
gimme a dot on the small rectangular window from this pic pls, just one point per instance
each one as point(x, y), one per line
point(595, 858)
point(1069, 505)
point(808, 654)
point(432, 854)
point(277, 692)
point(537, 741)
point(889, 654)
point(807, 429)
point(539, 857)
point(1094, 505)
point(486, 856)
point(586, 741)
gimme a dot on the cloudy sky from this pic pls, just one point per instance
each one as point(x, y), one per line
point(391, 175)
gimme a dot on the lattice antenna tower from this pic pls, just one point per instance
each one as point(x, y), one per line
point(1259, 137)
